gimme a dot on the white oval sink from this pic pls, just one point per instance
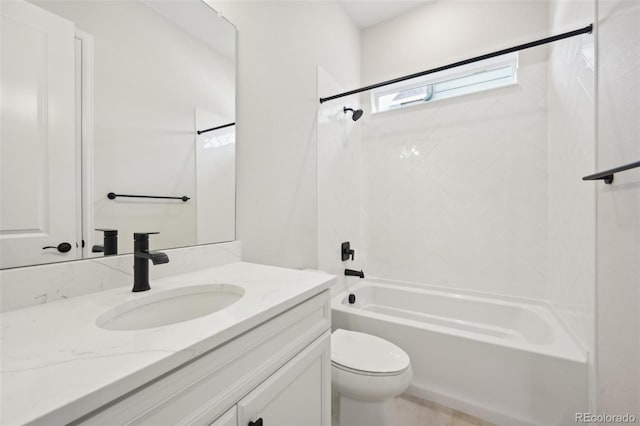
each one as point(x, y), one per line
point(165, 307)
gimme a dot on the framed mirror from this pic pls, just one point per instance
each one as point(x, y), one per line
point(117, 116)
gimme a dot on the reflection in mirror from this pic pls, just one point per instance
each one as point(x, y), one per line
point(107, 97)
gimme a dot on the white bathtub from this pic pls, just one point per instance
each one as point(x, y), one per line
point(507, 360)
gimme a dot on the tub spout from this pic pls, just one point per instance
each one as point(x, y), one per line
point(352, 273)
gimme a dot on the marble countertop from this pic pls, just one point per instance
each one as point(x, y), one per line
point(58, 365)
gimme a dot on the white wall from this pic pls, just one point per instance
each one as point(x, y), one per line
point(446, 31)
point(280, 45)
point(572, 211)
point(455, 192)
point(150, 76)
point(618, 220)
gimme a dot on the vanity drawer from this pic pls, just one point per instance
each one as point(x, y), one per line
point(203, 389)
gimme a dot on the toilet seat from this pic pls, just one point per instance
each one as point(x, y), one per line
point(365, 373)
point(365, 354)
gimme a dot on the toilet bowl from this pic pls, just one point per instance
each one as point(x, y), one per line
point(367, 372)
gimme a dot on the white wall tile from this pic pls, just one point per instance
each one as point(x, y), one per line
point(572, 221)
point(339, 180)
point(455, 193)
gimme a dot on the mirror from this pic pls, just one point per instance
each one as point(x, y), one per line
point(101, 104)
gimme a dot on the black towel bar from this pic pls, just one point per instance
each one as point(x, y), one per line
point(113, 196)
point(215, 128)
point(607, 175)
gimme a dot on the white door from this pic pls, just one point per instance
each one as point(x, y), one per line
point(298, 394)
point(37, 137)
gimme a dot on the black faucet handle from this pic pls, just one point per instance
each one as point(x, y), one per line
point(143, 234)
point(347, 251)
point(108, 231)
point(110, 242)
point(141, 241)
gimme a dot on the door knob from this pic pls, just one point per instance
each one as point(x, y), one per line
point(62, 247)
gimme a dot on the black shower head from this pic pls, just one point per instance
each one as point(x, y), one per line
point(356, 114)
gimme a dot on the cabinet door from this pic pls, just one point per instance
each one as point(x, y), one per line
point(230, 418)
point(298, 394)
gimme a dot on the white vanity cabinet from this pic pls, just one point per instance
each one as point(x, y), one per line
point(230, 418)
point(279, 371)
point(297, 394)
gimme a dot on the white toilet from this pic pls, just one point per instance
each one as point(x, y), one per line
point(367, 372)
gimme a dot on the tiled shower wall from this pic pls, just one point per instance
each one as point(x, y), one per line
point(572, 209)
point(339, 180)
point(455, 193)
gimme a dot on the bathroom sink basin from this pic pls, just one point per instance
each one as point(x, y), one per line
point(165, 307)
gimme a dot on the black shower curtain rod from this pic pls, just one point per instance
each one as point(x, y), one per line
point(586, 30)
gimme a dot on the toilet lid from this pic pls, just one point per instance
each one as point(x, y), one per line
point(365, 352)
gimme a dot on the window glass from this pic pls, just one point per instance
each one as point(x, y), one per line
point(471, 78)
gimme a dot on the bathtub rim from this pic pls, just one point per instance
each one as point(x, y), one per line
point(569, 349)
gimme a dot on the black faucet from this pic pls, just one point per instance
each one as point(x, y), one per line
point(141, 257)
point(352, 273)
point(347, 251)
point(110, 242)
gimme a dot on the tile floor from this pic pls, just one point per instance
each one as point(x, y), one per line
point(413, 411)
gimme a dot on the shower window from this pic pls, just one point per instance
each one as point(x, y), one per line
point(464, 80)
